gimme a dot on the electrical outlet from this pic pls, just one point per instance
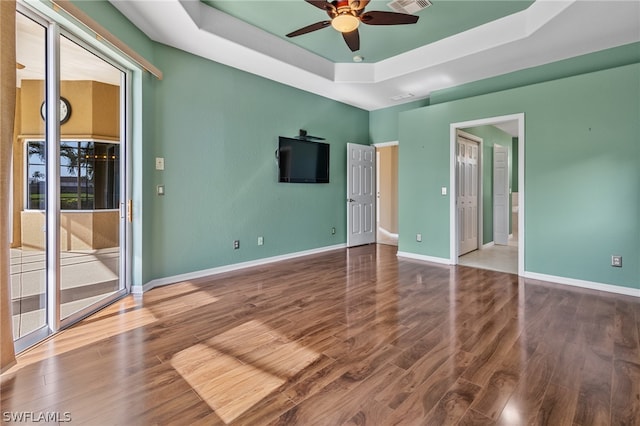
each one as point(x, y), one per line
point(159, 163)
point(616, 261)
point(260, 241)
point(419, 238)
point(236, 244)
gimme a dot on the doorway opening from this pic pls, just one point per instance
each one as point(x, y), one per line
point(387, 193)
point(499, 193)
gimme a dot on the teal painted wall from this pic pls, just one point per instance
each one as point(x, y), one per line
point(491, 136)
point(218, 129)
point(582, 179)
point(383, 123)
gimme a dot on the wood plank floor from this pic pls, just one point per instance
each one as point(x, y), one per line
point(348, 337)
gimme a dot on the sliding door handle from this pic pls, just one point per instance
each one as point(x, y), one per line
point(130, 211)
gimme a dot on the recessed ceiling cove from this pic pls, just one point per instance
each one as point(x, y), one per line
point(473, 40)
point(441, 20)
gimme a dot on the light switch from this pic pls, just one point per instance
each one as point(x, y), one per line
point(160, 189)
point(159, 163)
point(443, 190)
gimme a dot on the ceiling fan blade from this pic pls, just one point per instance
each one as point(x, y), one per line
point(310, 28)
point(320, 4)
point(378, 17)
point(352, 39)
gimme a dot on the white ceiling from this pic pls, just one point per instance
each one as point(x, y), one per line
point(548, 31)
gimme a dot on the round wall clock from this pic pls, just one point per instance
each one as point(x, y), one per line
point(65, 110)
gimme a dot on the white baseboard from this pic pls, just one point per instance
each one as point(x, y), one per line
point(584, 284)
point(408, 255)
point(228, 268)
point(489, 244)
point(440, 260)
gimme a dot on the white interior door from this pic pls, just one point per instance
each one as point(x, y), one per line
point(467, 194)
point(361, 213)
point(500, 195)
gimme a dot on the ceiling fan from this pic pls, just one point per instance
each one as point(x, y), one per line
point(346, 15)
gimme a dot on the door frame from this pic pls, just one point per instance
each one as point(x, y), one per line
point(479, 190)
point(453, 233)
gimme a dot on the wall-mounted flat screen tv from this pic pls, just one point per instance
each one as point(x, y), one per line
point(303, 161)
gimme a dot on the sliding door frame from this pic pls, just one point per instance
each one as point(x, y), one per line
point(54, 323)
point(52, 206)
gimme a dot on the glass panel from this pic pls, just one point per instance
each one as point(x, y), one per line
point(69, 170)
point(86, 166)
point(89, 179)
point(106, 176)
point(36, 173)
point(28, 183)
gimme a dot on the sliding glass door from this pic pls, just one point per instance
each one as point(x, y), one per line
point(90, 171)
point(29, 290)
point(69, 168)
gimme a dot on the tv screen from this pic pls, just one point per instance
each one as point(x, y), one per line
point(303, 161)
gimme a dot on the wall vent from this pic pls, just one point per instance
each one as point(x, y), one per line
point(409, 6)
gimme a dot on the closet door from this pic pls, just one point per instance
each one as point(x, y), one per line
point(467, 180)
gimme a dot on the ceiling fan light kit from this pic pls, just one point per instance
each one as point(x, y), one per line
point(346, 16)
point(345, 23)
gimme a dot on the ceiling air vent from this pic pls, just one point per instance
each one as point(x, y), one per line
point(409, 6)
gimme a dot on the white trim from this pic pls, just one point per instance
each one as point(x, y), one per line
point(408, 255)
point(126, 178)
point(521, 185)
point(520, 117)
point(385, 144)
point(584, 284)
point(229, 268)
point(489, 244)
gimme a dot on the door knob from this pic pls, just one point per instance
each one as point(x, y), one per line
point(351, 200)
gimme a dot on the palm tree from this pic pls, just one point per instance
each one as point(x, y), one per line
point(37, 176)
point(78, 158)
